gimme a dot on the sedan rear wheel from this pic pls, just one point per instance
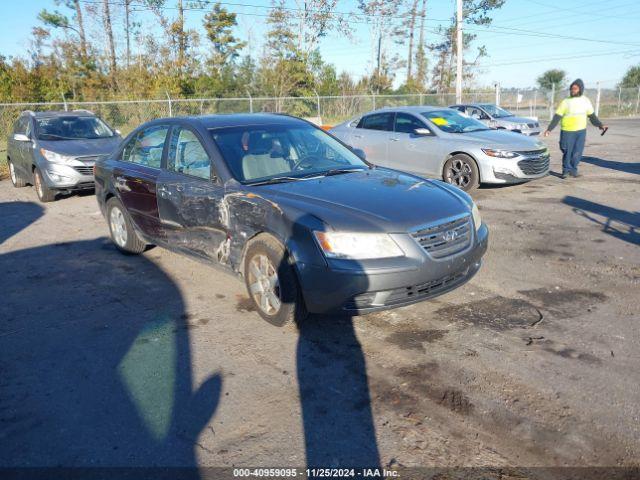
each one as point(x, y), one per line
point(462, 171)
point(272, 283)
point(122, 232)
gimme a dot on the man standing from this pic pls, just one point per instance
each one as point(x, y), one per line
point(573, 112)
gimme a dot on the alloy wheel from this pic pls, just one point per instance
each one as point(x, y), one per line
point(264, 284)
point(460, 173)
point(12, 172)
point(38, 182)
point(118, 226)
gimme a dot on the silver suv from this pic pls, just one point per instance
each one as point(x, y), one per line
point(499, 118)
point(56, 151)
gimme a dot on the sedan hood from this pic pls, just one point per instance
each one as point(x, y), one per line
point(499, 139)
point(370, 200)
point(81, 148)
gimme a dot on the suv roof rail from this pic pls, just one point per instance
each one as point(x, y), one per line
point(83, 110)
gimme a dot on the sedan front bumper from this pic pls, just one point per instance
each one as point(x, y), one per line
point(513, 170)
point(364, 289)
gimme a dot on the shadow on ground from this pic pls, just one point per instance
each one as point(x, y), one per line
point(17, 216)
point(626, 167)
point(96, 363)
point(615, 222)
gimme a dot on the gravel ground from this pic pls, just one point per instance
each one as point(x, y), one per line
point(157, 360)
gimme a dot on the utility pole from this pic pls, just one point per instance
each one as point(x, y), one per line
point(459, 45)
point(379, 53)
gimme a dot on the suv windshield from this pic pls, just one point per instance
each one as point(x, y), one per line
point(72, 128)
point(496, 112)
point(261, 153)
point(452, 121)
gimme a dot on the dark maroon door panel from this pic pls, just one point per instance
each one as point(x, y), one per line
point(136, 185)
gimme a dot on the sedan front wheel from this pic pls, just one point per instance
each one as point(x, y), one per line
point(272, 283)
point(461, 170)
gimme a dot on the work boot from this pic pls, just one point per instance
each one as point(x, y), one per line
point(575, 174)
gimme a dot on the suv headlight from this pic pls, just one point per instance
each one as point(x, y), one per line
point(54, 157)
point(357, 246)
point(477, 219)
point(499, 153)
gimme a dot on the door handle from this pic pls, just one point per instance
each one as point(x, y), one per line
point(357, 136)
point(394, 139)
point(179, 188)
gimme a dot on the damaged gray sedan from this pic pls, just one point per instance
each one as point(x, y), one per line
point(311, 226)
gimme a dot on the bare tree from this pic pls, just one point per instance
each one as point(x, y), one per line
point(106, 16)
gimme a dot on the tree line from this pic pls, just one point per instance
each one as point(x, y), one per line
point(103, 49)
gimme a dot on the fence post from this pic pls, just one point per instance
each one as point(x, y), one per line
point(497, 94)
point(64, 100)
point(518, 102)
point(535, 103)
point(317, 103)
point(421, 99)
point(374, 101)
point(598, 99)
point(553, 100)
point(638, 100)
point(250, 102)
point(619, 98)
point(169, 100)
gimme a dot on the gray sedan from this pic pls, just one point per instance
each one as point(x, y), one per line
point(442, 143)
point(499, 118)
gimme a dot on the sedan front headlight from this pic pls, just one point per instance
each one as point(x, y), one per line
point(357, 246)
point(499, 153)
point(54, 157)
point(477, 219)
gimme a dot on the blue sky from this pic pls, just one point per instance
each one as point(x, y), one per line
point(523, 41)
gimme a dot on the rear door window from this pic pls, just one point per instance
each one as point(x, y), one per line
point(187, 155)
point(146, 147)
point(378, 121)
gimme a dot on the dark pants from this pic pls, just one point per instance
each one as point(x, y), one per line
point(572, 145)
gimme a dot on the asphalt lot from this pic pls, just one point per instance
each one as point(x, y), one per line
point(156, 360)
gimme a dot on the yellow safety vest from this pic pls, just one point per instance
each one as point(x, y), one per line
point(574, 112)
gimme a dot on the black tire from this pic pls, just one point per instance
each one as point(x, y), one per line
point(461, 170)
point(45, 194)
point(121, 230)
point(286, 290)
point(16, 179)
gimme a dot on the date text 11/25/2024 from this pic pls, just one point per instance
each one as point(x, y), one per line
point(315, 472)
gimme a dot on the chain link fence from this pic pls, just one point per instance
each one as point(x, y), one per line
point(330, 110)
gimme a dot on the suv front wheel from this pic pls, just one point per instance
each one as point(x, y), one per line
point(45, 194)
point(16, 179)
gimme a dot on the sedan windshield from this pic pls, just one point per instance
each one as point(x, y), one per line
point(72, 128)
point(281, 153)
point(452, 121)
point(496, 112)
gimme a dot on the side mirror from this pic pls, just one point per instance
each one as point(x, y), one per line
point(360, 153)
point(424, 132)
point(21, 137)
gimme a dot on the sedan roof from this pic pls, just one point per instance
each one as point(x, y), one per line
point(243, 119)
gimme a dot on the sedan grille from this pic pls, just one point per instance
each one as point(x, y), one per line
point(532, 153)
point(534, 166)
point(84, 170)
point(90, 158)
point(445, 239)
